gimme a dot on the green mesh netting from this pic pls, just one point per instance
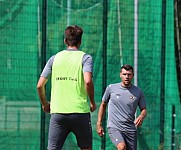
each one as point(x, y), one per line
point(21, 57)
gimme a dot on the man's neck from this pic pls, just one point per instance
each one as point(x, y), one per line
point(73, 47)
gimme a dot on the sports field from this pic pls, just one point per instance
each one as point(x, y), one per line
point(143, 33)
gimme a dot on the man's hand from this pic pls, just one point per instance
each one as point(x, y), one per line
point(100, 130)
point(93, 107)
point(138, 121)
point(46, 107)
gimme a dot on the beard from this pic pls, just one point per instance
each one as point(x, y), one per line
point(127, 83)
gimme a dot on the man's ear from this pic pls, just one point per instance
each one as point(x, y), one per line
point(80, 43)
point(65, 41)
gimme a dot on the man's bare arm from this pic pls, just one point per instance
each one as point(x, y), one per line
point(89, 86)
point(42, 94)
point(101, 113)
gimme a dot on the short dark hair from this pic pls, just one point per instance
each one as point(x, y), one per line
point(127, 67)
point(73, 35)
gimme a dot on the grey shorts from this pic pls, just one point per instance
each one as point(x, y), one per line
point(62, 124)
point(117, 136)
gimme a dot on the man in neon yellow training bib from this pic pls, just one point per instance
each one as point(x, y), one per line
point(71, 82)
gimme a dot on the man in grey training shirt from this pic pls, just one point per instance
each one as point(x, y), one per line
point(122, 99)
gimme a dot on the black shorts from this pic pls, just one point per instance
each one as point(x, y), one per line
point(62, 124)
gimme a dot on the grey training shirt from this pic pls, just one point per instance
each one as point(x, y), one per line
point(87, 65)
point(122, 105)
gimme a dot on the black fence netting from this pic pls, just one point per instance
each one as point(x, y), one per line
point(140, 33)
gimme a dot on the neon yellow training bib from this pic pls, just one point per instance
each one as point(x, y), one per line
point(68, 94)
